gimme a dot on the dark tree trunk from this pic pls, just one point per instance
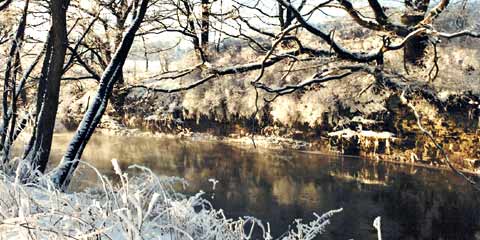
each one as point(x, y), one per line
point(48, 111)
point(285, 18)
point(205, 24)
point(12, 67)
point(118, 41)
point(62, 175)
point(191, 26)
point(414, 50)
point(4, 5)
point(42, 83)
point(289, 17)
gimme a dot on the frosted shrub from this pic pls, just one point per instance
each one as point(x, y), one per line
point(141, 207)
point(285, 111)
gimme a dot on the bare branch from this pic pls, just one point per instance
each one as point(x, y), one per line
point(464, 33)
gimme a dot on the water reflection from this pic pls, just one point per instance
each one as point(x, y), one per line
point(280, 186)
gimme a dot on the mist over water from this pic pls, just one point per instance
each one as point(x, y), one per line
point(281, 186)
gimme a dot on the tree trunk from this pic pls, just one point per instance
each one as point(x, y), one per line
point(42, 83)
point(11, 71)
point(61, 176)
point(118, 41)
point(205, 24)
point(191, 26)
point(48, 110)
point(414, 50)
point(5, 4)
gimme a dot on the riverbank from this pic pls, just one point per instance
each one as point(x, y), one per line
point(409, 146)
point(362, 115)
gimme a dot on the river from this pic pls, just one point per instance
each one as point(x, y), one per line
point(280, 186)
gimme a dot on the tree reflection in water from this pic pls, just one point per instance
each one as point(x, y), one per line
point(280, 186)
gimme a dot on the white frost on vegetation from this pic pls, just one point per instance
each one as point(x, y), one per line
point(348, 133)
point(141, 207)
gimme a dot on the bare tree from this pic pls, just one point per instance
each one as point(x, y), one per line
point(49, 93)
point(10, 89)
point(205, 24)
point(94, 49)
point(101, 47)
point(411, 35)
point(62, 175)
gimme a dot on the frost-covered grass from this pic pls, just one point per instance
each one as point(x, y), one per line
point(141, 207)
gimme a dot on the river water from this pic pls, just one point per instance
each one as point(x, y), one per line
point(280, 186)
